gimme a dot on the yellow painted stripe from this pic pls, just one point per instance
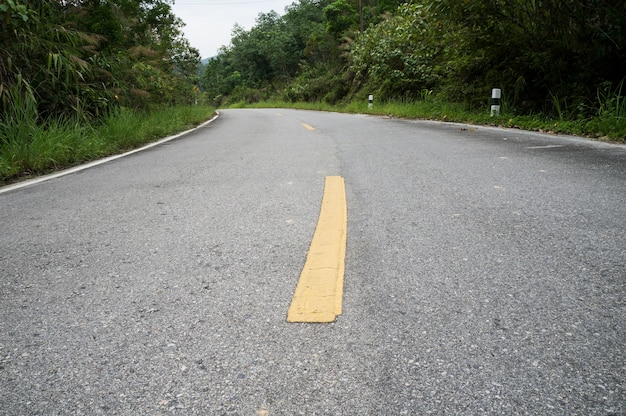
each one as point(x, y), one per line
point(308, 127)
point(319, 293)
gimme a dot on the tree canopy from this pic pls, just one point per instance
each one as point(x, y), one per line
point(79, 58)
point(545, 55)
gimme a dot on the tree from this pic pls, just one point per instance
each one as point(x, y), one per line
point(398, 57)
point(540, 52)
point(340, 17)
point(81, 57)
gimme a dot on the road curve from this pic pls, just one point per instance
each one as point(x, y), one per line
point(485, 273)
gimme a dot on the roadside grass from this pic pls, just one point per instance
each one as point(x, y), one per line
point(608, 125)
point(30, 147)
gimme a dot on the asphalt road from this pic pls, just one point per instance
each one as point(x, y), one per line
point(485, 274)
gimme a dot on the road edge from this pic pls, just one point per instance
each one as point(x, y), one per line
point(89, 165)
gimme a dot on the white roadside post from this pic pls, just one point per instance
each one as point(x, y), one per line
point(496, 96)
point(370, 101)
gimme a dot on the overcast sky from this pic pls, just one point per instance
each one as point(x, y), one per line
point(209, 23)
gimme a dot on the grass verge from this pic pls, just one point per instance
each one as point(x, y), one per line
point(29, 147)
point(606, 126)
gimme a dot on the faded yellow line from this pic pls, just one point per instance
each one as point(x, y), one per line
point(319, 292)
point(308, 127)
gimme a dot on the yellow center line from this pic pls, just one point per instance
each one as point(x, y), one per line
point(308, 127)
point(318, 295)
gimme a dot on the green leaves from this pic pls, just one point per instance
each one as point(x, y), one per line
point(13, 11)
point(269, 52)
point(457, 50)
point(81, 54)
point(397, 57)
point(536, 50)
point(340, 17)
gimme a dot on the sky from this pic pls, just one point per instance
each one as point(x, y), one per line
point(209, 23)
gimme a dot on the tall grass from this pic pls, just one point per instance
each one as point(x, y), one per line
point(611, 114)
point(28, 144)
point(31, 146)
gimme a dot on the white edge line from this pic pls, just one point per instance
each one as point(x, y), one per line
point(98, 162)
point(547, 146)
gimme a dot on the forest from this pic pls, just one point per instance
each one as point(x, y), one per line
point(556, 58)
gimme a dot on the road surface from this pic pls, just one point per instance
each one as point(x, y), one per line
point(485, 273)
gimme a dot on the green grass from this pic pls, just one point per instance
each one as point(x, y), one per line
point(29, 146)
point(608, 125)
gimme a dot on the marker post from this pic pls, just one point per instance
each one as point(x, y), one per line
point(496, 98)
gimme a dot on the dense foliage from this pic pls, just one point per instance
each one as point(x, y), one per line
point(79, 59)
point(563, 58)
point(81, 79)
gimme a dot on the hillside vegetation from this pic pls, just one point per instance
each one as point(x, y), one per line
point(80, 79)
point(554, 60)
point(75, 73)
